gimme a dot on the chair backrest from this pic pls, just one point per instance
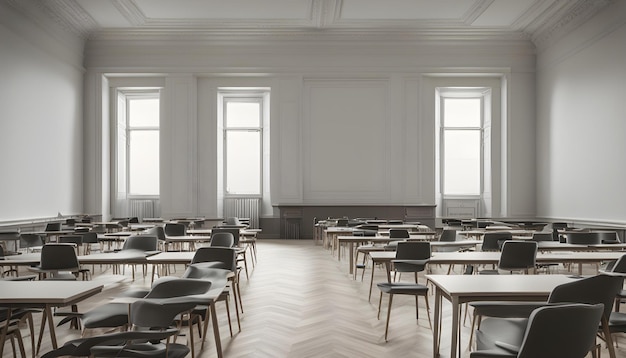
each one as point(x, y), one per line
point(607, 237)
point(53, 227)
point(561, 331)
point(399, 234)
point(226, 255)
point(30, 240)
point(90, 238)
point(559, 225)
point(542, 236)
point(233, 230)
point(583, 238)
point(157, 231)
point(156, 315)
point(141, 242)
point(178, 287)
point(411, 250)
point(518, 255)
point(71, 239)
point(619, 266)
point(492, 241)
point(175, 229)
point(590, 290)
point(58, 257)
point(222, 239)
point(448, 235)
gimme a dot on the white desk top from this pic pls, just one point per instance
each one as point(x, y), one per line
point(46, 292)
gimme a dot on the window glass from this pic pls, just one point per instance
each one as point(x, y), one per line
point(462, 162)
point(243, 114)
point(144, 162)
point(243, 158)
point(462, 112)
point(143, 112)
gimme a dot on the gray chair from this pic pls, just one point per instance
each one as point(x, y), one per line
point(492, 241)
point(175, 229)
point(410, 257)
point(159, 232)
point(395, 236)
point(115, 315)
point(58, 262)
point(560, 331)
point(148, 244)
point(607, 237)
point(448, 235)
point(222, 258)
point(212, 274)
point(516, 256)
point(599, 289)
point(89, 239)
point(222, 239)
point(31, 242)
point(583, 238)
point(152, 322)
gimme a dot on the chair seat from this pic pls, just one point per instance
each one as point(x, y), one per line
point(397, 288)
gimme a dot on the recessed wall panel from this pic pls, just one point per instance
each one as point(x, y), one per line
point(345, 140)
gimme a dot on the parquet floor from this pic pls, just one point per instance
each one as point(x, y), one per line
point(301, 302)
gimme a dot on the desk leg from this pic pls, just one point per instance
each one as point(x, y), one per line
point(351, 255)
point(437, 324)
point(371, 280)
point(456, 341)
point(216, 330)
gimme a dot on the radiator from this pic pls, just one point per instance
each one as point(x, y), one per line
point(141, 208)
point(243, 208)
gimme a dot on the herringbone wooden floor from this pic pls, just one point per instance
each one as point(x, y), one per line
point(301, 302)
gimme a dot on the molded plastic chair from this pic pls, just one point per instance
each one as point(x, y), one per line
point(152, 322)
point(599, 289)
point(561, 331)
point(58, 262)
point(583, 238)
point(448, 235)
point(492, 241)
point(31, 242)
point(410, 257)
point(175, 229)
point(222, 239)
point(516, 256)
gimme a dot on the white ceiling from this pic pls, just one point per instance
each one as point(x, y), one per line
point(532, 19)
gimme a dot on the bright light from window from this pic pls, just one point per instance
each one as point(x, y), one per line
point(243, 114)
point(244, 162)
point(462, 146)
point(143, 146)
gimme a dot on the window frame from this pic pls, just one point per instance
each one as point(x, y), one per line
point(242, 97)
point(129, 95)
point(464, 93)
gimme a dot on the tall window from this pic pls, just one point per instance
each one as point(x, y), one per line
point(243, 145)
point(461, 145)
point(138, 143)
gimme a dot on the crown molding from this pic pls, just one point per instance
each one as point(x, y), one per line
point(564, 19)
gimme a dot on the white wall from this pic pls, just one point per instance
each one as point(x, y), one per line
point(348, 123)
point(582, 121)
point(40, 119)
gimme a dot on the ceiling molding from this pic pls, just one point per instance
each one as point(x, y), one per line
point(543, 22)
point(565, 19)
point(131, 12)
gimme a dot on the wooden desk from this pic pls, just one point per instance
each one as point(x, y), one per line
point(46, 295)
point(459, 289)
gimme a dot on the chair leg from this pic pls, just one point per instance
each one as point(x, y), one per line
point(388, 316)
point(430, 323)
point(380, 300)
